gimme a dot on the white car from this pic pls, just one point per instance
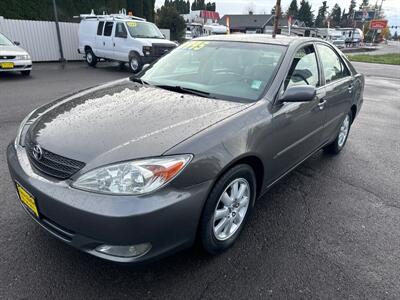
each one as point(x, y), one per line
point(13, 58)
point(121, 38)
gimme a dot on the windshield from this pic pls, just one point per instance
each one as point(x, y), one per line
point(5, 41)
point(144, 30)
point(226, 70)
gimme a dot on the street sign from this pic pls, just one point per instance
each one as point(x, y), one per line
point(378, 24)
point(363, 15)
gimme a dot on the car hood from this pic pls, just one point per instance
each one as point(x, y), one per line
point(124, 120)
point(149, 41)
point(12, 50)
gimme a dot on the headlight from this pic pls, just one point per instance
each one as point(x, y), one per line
point(133, 177)
point(23, 57)
point(146, 50)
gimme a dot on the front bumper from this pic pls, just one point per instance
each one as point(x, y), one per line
point(19, 65)
point(167, 219)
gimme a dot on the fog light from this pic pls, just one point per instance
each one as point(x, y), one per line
point(124, 251)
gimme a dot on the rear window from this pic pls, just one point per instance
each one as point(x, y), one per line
point(108, 28)
point(100, 28)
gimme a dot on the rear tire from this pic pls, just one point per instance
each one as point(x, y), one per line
point(340, 141)
point(26, 73)
point(135, 63)
point(226, 210)
point(91, 58)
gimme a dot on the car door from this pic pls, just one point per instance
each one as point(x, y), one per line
point(339, 89)
point(98, 48)
point(121, 42)
point(108, 43)
point(298, 126)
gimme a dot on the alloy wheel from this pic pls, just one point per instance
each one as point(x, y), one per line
point(344, 131)
point(231, 209)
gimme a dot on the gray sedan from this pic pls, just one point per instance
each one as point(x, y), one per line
point(139, 168)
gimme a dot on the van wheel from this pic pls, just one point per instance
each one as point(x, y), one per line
point(91, 59)
point(135, 63)
point(227, 209)
point(26, 73)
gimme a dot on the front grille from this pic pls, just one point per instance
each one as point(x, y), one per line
point(52, 164)
point(161, 49)
point(7, 57)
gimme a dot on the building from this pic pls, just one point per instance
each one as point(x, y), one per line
point(252, 23)
point(201, 16)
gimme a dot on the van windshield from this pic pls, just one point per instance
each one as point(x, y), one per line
point(217, 69)
point(143, 30)
point(5, 41)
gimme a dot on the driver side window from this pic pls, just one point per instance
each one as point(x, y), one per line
point(304, 69)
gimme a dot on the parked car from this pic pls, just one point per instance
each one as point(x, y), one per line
point(334, 36)
point(121, 38)
point(138, 168)
point(13, 58)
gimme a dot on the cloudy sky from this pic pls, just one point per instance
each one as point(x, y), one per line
point(391, 7)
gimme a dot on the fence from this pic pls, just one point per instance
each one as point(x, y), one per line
point(39, 38)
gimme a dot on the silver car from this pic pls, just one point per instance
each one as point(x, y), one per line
point(13, 58)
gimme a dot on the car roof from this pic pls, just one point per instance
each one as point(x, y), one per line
point(259, 38)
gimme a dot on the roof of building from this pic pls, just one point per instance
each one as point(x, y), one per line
point(246, 21)
point(257, 38)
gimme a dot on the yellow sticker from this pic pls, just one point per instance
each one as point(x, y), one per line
point(131, 24)
point(196, 45)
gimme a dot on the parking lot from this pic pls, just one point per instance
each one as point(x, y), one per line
point(331, 229)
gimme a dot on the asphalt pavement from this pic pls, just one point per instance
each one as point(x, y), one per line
point(330, 229)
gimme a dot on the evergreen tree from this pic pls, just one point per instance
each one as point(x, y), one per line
point(364, 3)
point(320, 19)
point(351, 8)
point(168, 17)
point(305, 14)
point(293, 9)
point(336, 15)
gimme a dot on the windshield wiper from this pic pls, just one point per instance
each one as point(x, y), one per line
point(184, 90)
point(138, 80)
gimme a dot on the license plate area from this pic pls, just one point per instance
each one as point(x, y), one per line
point(27, 200)
point(7, 65)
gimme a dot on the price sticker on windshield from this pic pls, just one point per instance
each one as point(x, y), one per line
point(131, 24)
point(197, 45)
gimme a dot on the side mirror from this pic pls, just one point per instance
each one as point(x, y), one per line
point(299, 94)
point(145, 66)
point(17, 43)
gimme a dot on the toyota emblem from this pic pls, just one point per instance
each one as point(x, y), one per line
point(37, 152)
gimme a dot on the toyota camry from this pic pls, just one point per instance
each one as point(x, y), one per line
point(141, 167)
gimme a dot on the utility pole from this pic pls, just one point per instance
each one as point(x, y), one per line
point(276, 20)
point(62, 59)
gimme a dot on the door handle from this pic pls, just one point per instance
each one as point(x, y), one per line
point(104, 43)
point(321, 103)
point(350, 88)
point(114, 44)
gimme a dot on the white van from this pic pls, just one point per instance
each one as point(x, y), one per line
point(121, 38)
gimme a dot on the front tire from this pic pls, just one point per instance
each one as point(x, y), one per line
point(91, 58)
point(26, 73)
point(135, 63)
point(340, 141)
point(227, 209)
